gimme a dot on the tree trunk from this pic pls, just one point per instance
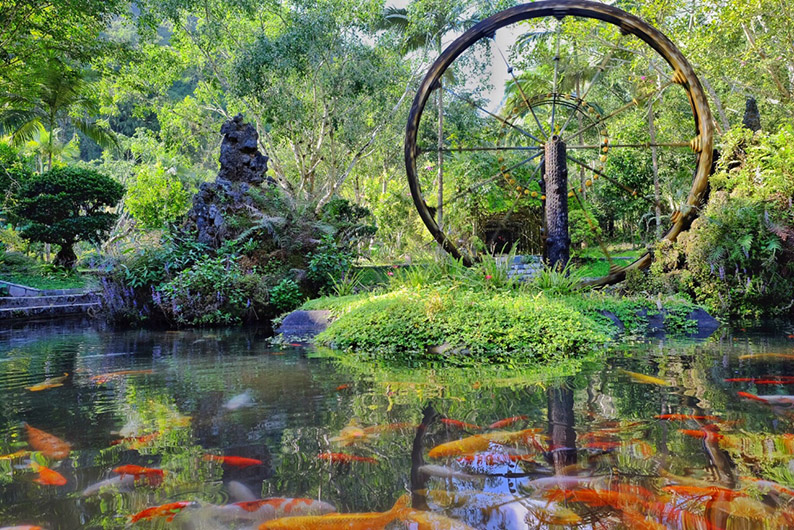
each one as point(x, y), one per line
point(558, 241)
point(65, 257)
point(657, 195)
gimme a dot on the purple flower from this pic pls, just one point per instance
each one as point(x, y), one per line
point(642, 77)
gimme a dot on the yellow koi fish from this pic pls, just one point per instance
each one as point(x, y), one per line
point(51, 382)
point(341, 521)
point(423, 520)
point(17, 454)
point(481, 442)
point(645, 379)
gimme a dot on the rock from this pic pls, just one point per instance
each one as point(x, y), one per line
point(707, 324)
point(615, 320)
point(303, 324)
point(242, 166)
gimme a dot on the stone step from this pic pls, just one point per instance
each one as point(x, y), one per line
point(49, 311)
point(48, 300)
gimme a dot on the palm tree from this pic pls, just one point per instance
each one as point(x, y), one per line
point(58, 96)
point(45, 148)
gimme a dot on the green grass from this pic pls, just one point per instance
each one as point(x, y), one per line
point(38, 281)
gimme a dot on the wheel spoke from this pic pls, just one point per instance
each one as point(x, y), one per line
point(600, 173)
point(601, 67)
point(556, 75)
point(624, 108)
point(592, 225)
point(469, 102)
point(520, 89)
point(639, 145)
point(494, 148)
point(490, 179)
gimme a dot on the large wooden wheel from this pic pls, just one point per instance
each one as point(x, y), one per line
point(616, 91)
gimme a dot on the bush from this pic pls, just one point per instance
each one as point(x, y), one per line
point(286, 296)
point(156, 198)
point(327, 264)
point(64, 206)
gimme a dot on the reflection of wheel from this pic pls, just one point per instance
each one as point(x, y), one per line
point(574, 69)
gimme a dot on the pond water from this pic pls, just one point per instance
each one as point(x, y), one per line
point(593, 443)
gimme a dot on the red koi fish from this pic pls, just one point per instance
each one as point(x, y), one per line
point(684, 417)
point(345, 458)
point(460, 424)
point(603, 445)
point(507, 422)
point(286, 506)
point(492, 459)
point(234, 461)
point(747, 395)
point(47, 477)
point(169, 511)
point(344, 386)
point(138, 471)
point(137, 441)
point(106, 378)
point(705, 435)
point(49, 445)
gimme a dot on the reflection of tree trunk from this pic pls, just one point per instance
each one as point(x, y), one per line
point(419, 480)
point(562, 437)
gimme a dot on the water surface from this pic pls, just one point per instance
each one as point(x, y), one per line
point(189, 394)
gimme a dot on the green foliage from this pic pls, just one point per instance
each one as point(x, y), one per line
point(156, 198)
point(13, 172)
point(213, 291)
point(328, 263)
point(558, 281)
point(67, 205)
point(583, 234)
point(349, 220)
point(349, 284)
point(286, 295)
point(462, 326)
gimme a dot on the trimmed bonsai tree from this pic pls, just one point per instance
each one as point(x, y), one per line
point(66, 205)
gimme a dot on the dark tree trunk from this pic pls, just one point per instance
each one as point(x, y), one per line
point(562, 436)
point(558, 242)
point(65, 257)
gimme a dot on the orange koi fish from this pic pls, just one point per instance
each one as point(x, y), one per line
point(507, 422)
point(645, 379)
point(47, 477)
point(284, 506)
point(137, 441)
point(481, 442)
point(764, 380)
point(344, 386)
point(460, 424)
point(169, 511)
point(234, 461)
point(769, 485)
point(603, 445)
point(684, 417)
point(768, 356)
point(50, 382)
point(13, 456)
point(345, 458)
point(638, 521)
point(138, 472)
point(747, 395)
point(341, 521)
point(592, 497)
point(492, 459)
point(110, 376)
point(699, 491)
point(424, 520)
point(49, 445)
point(22, 527)
point(705, 435)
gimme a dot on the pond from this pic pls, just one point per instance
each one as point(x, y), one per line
point(653, 435)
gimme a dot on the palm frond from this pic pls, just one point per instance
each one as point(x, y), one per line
point(103, 137)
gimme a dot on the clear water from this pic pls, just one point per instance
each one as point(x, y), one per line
point(595, 425)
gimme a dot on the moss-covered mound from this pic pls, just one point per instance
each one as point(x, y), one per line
point(462, 326)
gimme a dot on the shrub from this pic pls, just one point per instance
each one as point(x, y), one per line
point(64, 206)
point(156, 198)
point(327, 264)
point(286, 296)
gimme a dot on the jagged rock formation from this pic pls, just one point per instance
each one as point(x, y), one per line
point(752, 117)
point(242, 166)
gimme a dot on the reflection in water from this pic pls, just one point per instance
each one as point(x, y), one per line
point(213, 430)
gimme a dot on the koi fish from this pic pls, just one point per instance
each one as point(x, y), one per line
point(558, 516)
point(507, 422)
point(703, 434)
point(13, 456)
point(345, 458)
point(47, 477)
point(645, 379)
point(272, 508)
point(747, 395)
point(234, 461)
point(480, 442)
point(460, 424)
point(444, 472)
point(699, 491)
point(23, 527)
point(169, 511)
point(341, 521)
point(120, 483)
point(155, 476)
point(49, 445)
point(769, 485)
point(341, 387)
point(492, 459)
point(239, 401)
point(51, 382)
point(110, 376)
point(137, 441)
point(765, 380)
point(603, 445)
point(768, 356)
point(425, 520)
point(684, 417)
point(637, 520)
